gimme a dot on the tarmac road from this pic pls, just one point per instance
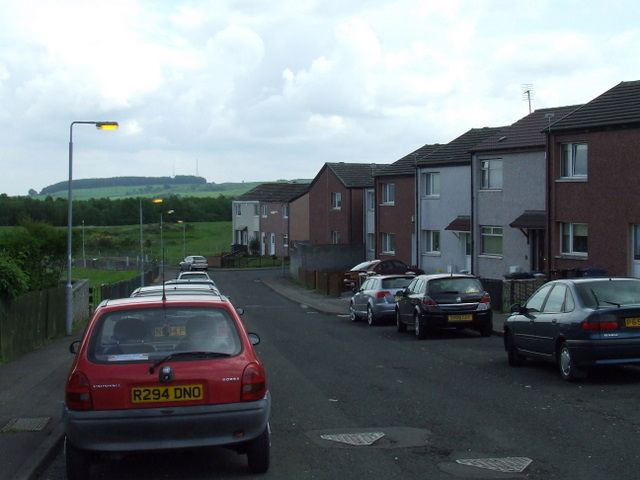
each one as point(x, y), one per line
point(438, 401)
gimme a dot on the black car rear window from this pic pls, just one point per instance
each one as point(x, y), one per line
point(455, 286)
point(150, 333)
point(607, 293)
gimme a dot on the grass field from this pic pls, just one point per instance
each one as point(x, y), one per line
point(198, 238)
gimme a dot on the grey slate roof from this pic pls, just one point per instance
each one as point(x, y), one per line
point(274, 192)
point(457, 151)
point(406, 165)
point(528, 132)
point(618, 106)
point(354, 175)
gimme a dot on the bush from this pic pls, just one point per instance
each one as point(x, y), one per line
point(13, 281)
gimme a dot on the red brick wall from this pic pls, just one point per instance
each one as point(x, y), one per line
point(396, 219)
point(609, 201)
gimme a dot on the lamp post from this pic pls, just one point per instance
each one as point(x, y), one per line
point(69, 287)
point(141, 247)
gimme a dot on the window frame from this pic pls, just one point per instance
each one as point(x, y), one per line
point(238, 207)
point(493, 233)
point(335, 237)
point(569, 157)
point(428, 237)
point(388, 193)
point(572, 238)
point(264, 211)
point(487, 180)
point(388, 243)
point(431, 187)
point(336, 200)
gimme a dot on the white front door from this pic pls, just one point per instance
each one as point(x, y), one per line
point(272, 244)
point(466, 239)
point(262, 244)
point(635, 250)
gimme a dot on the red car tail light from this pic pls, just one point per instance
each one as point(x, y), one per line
point(382, 294)
point(78, 393)
point(600, 324)
point(254, 383)
point(429, 302)
point(485, 302)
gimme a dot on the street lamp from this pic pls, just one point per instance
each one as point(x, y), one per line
point(141, 247)
point(99, 126)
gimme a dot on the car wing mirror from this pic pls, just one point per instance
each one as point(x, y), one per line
point(240, 310)
point(74, 347)
point(254, 338)
point(518, 308)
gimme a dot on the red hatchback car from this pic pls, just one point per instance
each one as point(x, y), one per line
point(153, 373)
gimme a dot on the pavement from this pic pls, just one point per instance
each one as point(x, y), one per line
point(32, 390)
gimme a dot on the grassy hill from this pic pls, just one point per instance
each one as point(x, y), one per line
point(160, 190)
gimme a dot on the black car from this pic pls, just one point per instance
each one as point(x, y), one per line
point(577, 323)
point(443, 301)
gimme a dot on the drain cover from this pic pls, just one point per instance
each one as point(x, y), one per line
point(507, 464)
point(357, 439)
point(28, 424)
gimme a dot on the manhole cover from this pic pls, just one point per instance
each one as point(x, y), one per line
point(357, 439)
point(507, 464)
point(33, 424)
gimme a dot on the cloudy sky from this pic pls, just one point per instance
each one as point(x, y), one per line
point(261, 90)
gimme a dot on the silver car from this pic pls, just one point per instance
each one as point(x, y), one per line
point(376, 297)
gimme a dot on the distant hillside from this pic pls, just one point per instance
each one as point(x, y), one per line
point(126, 187)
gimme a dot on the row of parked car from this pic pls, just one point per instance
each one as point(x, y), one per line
point(577, 323)
point(170, 367)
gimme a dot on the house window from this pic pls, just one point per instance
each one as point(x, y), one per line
point(491, 240)
point(336, 200)
point(285, 240)
point(431, 241)
point(389, 243)
point(388, 193)
point(335, 237)
point(255, 209)
point(491, 174)
point(238, 209)
point(574, 238)
point(574, 160)
point(431, 184)
point(264, 211)
point(285, 211)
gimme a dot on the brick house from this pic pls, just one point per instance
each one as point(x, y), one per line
point(395, 207)
point(261, 216)
point(594, 185)
point(336, 203)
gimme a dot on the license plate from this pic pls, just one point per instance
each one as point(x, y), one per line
point(174, 393)
point(174, 331)
point(632, 322)
point(460, 318)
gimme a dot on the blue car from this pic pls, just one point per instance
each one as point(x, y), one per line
point(375, 298)
point(577, 323)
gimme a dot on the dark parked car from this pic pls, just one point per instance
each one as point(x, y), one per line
point(376, 297)
point(354, 277)
point(194, 262)
point(577, 323)
point(164, 374)
point(443, 301)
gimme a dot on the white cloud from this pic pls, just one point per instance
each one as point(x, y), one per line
point(254, 88)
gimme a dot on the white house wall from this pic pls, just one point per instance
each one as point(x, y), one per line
point(247, 219)
point(437, 214)
point(523, 188)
